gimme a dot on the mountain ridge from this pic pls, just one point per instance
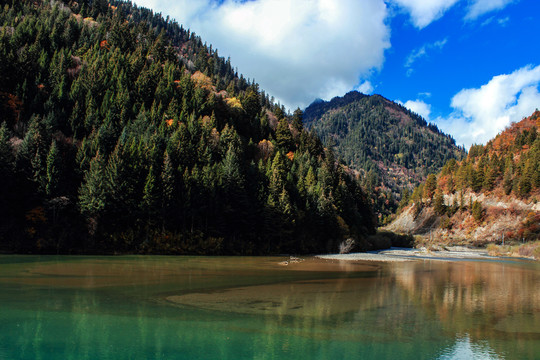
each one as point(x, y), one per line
point(490, 197)
point(124, 133)
point(391, 147)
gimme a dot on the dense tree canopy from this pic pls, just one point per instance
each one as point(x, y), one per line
point(507, 168)
point(122, 132)
point(393, 148)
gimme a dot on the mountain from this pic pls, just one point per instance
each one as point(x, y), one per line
point(490, 197)
point(122, 132)
point(393, 148)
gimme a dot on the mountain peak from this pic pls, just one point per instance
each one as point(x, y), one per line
point(392, 147)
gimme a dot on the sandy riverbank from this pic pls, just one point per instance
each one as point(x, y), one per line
point(404, 254)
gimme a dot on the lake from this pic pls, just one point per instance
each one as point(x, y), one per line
point(165, 307)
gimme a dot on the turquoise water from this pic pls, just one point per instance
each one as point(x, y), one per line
point(155, 307)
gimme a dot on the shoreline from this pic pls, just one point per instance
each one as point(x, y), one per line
point(410, 254)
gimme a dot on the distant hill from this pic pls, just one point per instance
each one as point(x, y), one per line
point(123, 132)
point(491, 196)
point(392, 148)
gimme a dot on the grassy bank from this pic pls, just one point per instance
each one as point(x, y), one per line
point(528, 250)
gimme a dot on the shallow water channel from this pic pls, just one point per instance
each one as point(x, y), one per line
point(165, 307)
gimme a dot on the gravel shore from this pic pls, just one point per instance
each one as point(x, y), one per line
point(404, 254)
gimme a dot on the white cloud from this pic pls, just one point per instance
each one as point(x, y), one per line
point(479, 114)
point(419, 107)
point(424, 12)
point(478, 8)
point(181, 10)
point(504, 21)
point(422, 52)
point(296, 51)
point(365, 88)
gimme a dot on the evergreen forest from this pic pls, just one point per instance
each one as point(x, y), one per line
point(123, 132)
point(507, 167)
point(392, 148)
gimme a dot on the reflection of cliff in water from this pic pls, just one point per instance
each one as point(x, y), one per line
point(480, 300)
point(157, 307)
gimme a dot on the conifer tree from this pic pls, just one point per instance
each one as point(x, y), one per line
point(477, 211)
point(151, 193)
point(168, 183)
point(54, 168)
point(430, 186)
point(284, 137)
point(92, 193)
point(6, 153)
point(136, 138)
point(438, 203)
point(297, 120)
point(508, 179)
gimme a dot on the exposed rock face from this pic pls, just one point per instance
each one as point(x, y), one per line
point(411, 222)
point(491, 196)
point(508, 217)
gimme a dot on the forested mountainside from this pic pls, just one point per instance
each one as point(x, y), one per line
point(490, 196)
point(393, 148)
point(122, 132)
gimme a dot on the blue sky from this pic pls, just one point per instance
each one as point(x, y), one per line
point(470, 66)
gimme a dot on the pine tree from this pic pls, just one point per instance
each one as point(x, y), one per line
point(250, 103)
point(150, 202)
point(108, 105)
point(525, 185)
point(232, 173)
point(54, 170)
point(92, 193)
point(476, 180)
point(284, 137)
point(430, 186)
point(508, 179)
point(168, 182)
point(438, 203)
point(489, 178)
point(277, 178)
point(297, 119)
point(477, 211)
point(6, 154)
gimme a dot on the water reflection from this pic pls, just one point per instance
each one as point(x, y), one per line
point(234, 308)
point(476, 297)
point(464, 349)
point(476, 301)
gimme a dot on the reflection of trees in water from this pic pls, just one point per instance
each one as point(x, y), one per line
point(483, 300)
point(471, 287)
point(382, 312)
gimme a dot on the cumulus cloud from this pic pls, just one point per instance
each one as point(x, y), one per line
point(479, 114)
point(365, 88)
point(181, 10)
point(419, 107)
point(424, 12)
point(478, 8)
point(422, 52)
point(296, 51)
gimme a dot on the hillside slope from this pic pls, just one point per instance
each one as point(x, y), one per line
point(393, 148)
point(490, 197)
point(121, 132)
